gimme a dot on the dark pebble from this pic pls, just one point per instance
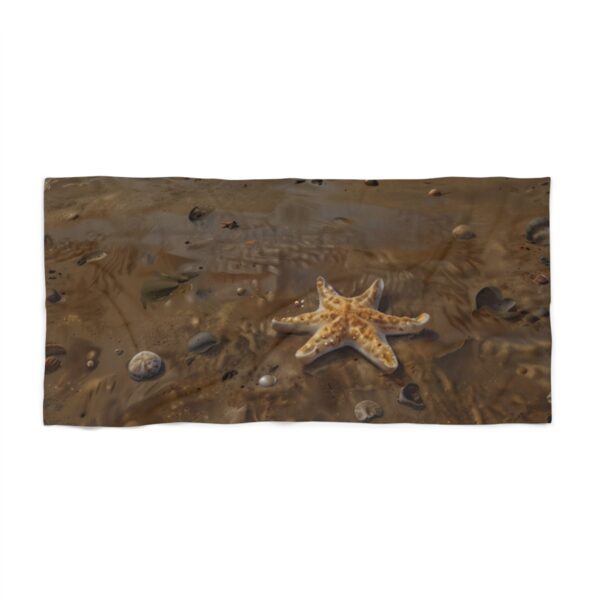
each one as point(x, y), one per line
point(202, 342)
point(545, 261)
point(434, 193)
point(197, 213)
point(317, 181)
point(54, 297)
point(300, 181)
point(372, 182)
point(229, 375)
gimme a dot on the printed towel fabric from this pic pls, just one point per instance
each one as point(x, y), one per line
point(211, 301)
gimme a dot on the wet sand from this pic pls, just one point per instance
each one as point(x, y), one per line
point(127, 270)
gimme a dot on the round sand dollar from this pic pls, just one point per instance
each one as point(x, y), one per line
point(145, 365)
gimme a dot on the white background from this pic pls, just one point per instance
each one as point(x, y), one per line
point(323, 89)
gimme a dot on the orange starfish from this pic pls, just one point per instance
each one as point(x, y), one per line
point(340, 321)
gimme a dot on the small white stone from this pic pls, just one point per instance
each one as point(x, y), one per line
point(267, 380)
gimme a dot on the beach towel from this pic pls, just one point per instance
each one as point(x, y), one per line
point(226, 301)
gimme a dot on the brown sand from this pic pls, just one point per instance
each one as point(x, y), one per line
point(471, 366)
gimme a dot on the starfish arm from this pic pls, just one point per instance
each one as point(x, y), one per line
point(372, 295)
point(372, 345)
point(392, 325)
point(327, 295)
point(305, 323)
point(327, 338)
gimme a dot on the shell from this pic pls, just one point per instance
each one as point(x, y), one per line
point(267, 380)
point(463, 232)
point(145, 365)
point(367, 410)
point(202, 342)
point(158, 287)
point(410, 395)
point(538, 231)
point(52, 364)
point(91, 257)
point(492, 299)
point(434, 193)
point(54, 350)
point(197, 213)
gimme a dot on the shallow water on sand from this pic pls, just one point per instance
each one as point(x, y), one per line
point(134, 273)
